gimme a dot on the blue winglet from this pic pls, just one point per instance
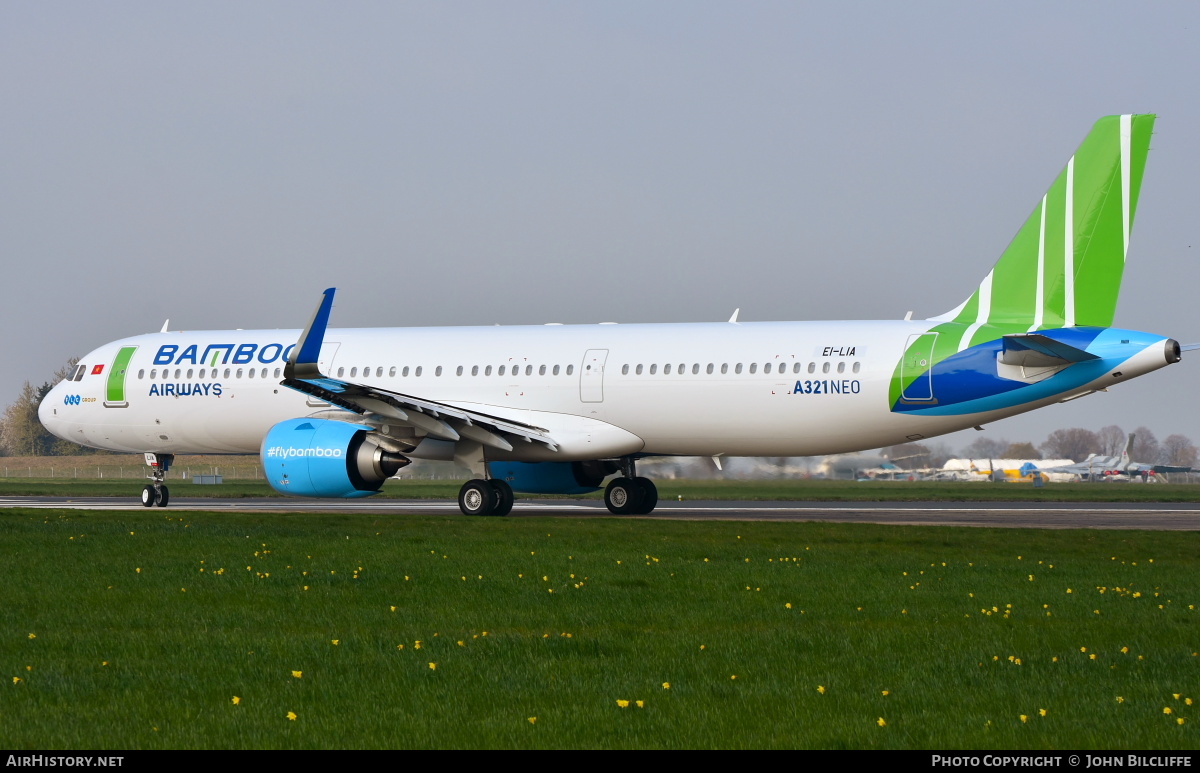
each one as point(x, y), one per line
point(303, 362)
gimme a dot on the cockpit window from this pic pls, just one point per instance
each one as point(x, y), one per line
point(79, 373)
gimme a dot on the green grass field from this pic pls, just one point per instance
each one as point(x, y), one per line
point(193, 630)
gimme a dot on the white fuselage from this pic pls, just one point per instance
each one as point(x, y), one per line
point(737, 389)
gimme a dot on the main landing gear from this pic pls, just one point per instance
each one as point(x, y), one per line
point(156, 493)
point(627, 494)
point(485, 497)
point(630, 495)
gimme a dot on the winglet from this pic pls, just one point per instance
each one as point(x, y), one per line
point(303, 361)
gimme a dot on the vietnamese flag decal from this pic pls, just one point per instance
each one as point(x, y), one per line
point(97, 370)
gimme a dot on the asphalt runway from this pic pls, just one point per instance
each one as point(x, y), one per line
point(1154, 516)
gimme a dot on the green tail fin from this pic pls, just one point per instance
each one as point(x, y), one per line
point(1064, 267)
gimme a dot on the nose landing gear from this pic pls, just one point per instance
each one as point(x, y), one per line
point(157, 493)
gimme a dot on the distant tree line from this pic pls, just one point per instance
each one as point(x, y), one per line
point(1074, 443)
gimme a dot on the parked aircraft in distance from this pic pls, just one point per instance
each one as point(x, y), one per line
point(558, 408)
point(1097, 466)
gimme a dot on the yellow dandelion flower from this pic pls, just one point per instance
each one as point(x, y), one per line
point(462, 643)
point(1120, 699)
point(236, 700)
point(1124, 650)
point(821, 689)
point(624, 704)
point(1092, 656)
point(433, 666)
point(881, 722)
point(533, 720)
point(641, 704)
point(335, 642)
point(1188, 701)
point(1179, 720)
point(399, 646)
point(1176, 695)
point(667, 686)
point(1041, 712)
point(138, 570)
point(1166, 709)
point(291, 715)
point(298, 674)
point(393, 608)
point(1083, 649)
point(788, 605)
point(16, 679)
point(1024, 718)
point(417, 644)
point(33, 636)
point(733, 676)
point(885, 692)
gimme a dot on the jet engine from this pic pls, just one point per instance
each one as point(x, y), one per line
point(325, 458)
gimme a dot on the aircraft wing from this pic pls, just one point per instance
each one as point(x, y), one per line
point(440, 420)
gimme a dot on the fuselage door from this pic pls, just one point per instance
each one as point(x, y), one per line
point(918, 366)
point(114, 390)
point(591, 376)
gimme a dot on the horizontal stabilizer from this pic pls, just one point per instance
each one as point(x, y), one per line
point(1018, 349)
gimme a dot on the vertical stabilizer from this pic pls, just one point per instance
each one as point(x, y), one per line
point(1064, 266)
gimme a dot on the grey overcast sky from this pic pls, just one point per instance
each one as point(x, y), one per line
point(448, 163)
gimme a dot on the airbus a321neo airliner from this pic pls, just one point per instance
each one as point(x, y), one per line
point(559, 408)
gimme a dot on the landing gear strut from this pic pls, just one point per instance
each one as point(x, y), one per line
point(630, 494)
point(485, 497)
point(156, 493)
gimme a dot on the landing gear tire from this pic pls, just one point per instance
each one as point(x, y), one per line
point(149, 496)
point(504, 497)
point(164, 496)
point(623, 496)
point(649, 495)
point(477, 497)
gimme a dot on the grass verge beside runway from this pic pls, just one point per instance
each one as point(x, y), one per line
point(689, 490)
point(178, 629)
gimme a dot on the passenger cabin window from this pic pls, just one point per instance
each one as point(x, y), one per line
point(856, 367)
point(737, 368)
point(354, 371)
point(754, 367)
point(570, 369)
point(154, 373)
point(667, 369)
point(392, 371)
point(417, 372)
point(625, 370)
point(542, 370)
point(404, 373)
point(653, 368)
point(437, 371)
point(459, 371)
point(841, 367)
point(825, 367)
point(141, 373)
point(812, 367)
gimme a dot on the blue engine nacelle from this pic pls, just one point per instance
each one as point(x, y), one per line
point(552, 477)
point(324, 458)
